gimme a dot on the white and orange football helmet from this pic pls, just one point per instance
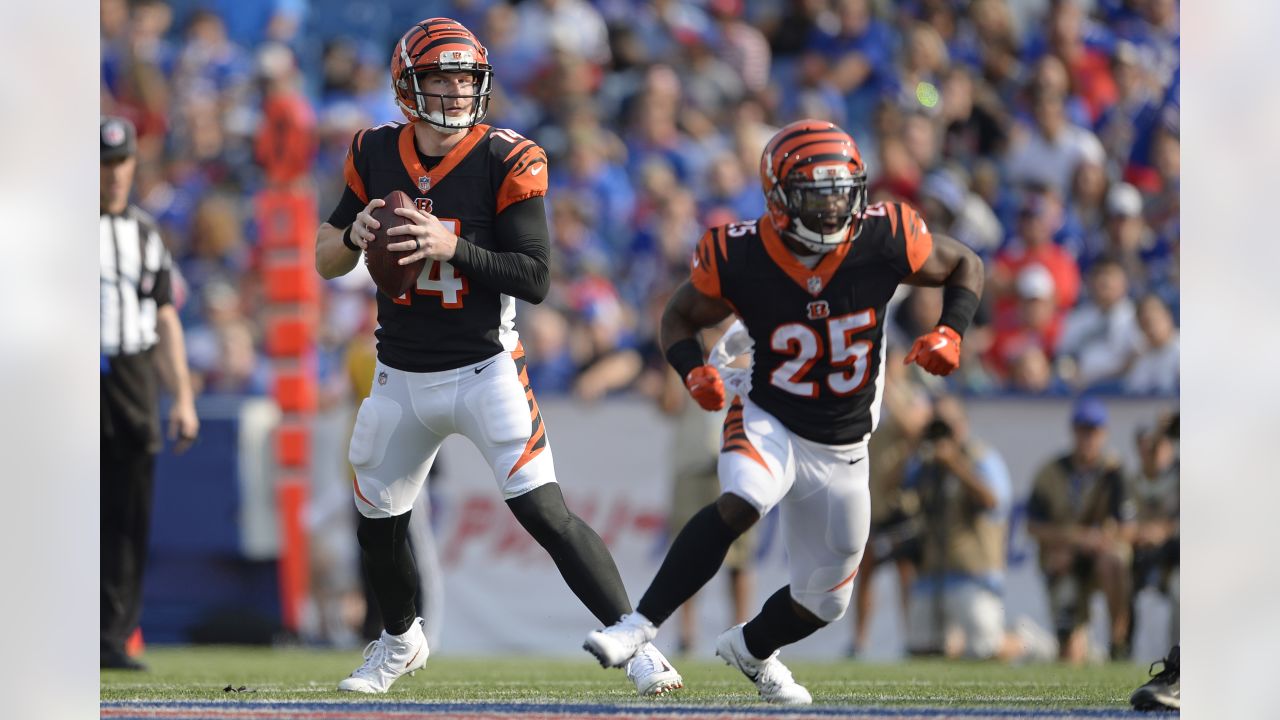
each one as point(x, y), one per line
point(439, 45)
point(815, 183)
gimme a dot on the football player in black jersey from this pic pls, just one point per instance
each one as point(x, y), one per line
point(809, 281)
point(449, 359)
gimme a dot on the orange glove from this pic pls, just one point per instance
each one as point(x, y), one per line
point(938, 352)
point(706, 387)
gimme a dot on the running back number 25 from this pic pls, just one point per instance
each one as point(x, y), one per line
point(441, 279)
point(806, 345)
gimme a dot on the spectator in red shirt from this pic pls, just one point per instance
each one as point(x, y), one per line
point(1035, 324)
point(1089, 68)
point(1041, 215)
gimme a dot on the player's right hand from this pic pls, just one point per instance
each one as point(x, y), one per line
point(364, 225)
point(706, 387)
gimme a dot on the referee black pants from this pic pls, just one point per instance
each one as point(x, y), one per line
point(127, 480)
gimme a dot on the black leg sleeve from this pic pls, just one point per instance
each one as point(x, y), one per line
point(694, 558)
point(576, 549)
point(390, 568)
point(780, 622)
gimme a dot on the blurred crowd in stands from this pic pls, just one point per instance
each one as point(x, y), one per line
point(1042, 133)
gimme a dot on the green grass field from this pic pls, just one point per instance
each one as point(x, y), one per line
point(202, 673)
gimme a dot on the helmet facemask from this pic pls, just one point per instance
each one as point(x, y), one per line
point(825, 210)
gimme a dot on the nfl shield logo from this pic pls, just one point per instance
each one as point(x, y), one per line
point(382, 378)
point(815, 285)
point(424, 183)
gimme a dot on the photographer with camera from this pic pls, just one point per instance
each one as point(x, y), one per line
point(956, 606)
point(1154, 488)
point(1157, 549)
point(1081, 514)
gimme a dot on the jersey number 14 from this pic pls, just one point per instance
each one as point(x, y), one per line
point(441, 279)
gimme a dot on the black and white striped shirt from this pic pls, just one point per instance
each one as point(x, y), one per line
point(134, 281)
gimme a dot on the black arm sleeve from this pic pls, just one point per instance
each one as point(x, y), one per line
point(348, 207)
point(520, 267)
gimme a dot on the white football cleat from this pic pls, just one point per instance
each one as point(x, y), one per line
point(771, 677)
point(651, 672)
point(386, 659)
point(618, 643)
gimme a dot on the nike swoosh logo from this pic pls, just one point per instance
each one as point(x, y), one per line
point(535, 169)
point(482, 367)
point(940, 344)
point(415, 657)
point(855, 461)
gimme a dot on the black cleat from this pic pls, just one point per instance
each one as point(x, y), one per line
point(1162, 691)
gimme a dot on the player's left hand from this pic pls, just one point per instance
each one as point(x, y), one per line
point(426, 238)
point(938, 352)
point(184, 425)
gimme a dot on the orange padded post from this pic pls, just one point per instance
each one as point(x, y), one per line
point(293, 445)
point(288, 336)
point(295, 391)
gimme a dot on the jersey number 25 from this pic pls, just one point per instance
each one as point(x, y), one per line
point(806, 345)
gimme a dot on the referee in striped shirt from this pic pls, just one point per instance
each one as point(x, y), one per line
point(141, 341)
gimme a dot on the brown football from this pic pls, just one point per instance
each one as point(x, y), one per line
point(391, 278)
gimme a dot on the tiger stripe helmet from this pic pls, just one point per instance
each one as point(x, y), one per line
point(439, 45)
point(815, 183)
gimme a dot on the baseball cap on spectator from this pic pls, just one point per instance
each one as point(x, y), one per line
point(1089, 412)
point(1034, 283)
point(1093, 153)
point(1124, 200)
point(1125, 53)
point(118, 138)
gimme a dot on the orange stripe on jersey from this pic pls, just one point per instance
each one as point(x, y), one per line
point(522, 145)
point(795, 269)
point(843, 582)
point(704, 269)
point(526, 179)
point(918, 238)
point(409, 154)
point(734, 438)
point(352, 176)
point(360, 139)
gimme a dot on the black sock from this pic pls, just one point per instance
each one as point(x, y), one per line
point(578, 552)
point(778, 624)
point(393, 573)
point(694, 557)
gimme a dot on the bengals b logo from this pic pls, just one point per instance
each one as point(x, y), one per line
point(424, 204)
point(818, 309)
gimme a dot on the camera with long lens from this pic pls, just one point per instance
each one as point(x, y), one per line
point(936, 430)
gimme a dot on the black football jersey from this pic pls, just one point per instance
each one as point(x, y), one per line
point(447, 322)
point(818, 334)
